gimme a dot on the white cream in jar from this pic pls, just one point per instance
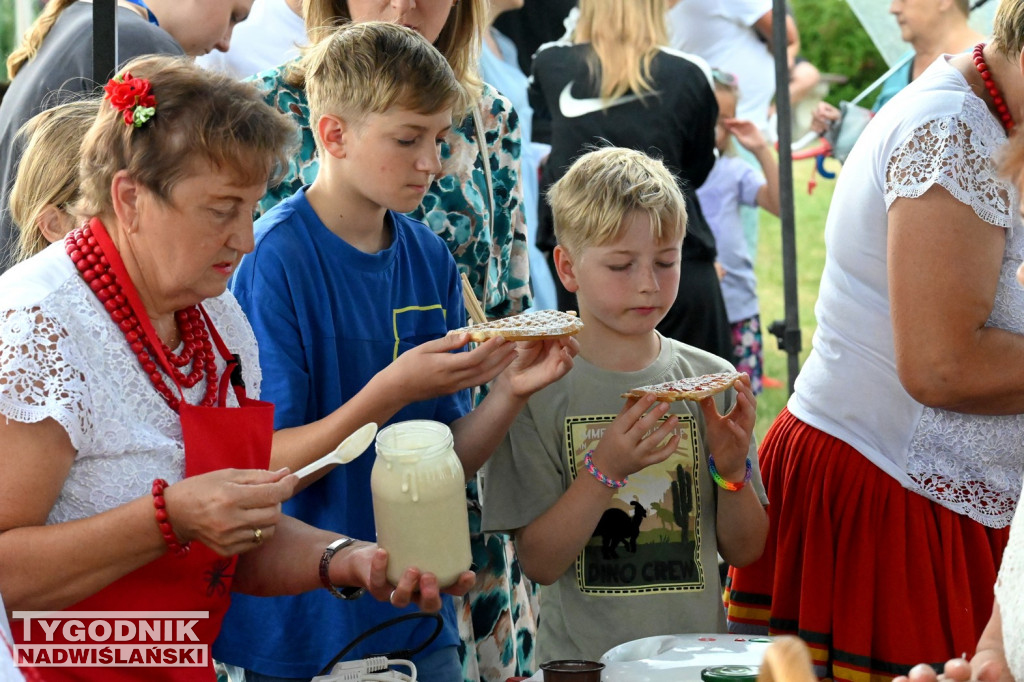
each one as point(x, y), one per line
point(419, 501)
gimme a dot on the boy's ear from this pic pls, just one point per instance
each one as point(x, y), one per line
point(332, 130)
point(566, 268)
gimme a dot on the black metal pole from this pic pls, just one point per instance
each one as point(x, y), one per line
point(104, 40)
point(788, 331)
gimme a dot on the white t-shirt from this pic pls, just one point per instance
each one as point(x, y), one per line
point(938, 133)
point(62, 357)
point(722, 32)
point(269, 37)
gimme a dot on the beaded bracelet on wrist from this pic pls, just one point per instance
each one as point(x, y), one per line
point(164, 523)
point(588, 462)
point(728, 485)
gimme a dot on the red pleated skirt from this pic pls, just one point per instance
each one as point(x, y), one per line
point(873, 577)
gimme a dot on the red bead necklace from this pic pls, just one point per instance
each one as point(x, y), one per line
point(997, 97)
point(90, 261)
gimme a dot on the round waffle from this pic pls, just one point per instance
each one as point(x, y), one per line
point(690, 388)
point(539, 324)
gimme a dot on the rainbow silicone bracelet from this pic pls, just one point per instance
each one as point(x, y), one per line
point(588, 462)
point(728, 485)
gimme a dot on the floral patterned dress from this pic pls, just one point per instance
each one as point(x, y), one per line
point(486, 233)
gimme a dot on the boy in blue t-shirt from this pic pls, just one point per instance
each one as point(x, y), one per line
point(351, 303)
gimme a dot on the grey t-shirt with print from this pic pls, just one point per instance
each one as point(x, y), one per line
point(651, 567)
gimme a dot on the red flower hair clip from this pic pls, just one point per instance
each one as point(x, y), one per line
point(133, 96)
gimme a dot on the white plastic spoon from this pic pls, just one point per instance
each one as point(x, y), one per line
point(347, 450)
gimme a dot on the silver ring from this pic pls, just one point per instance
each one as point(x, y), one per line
point(257, 536)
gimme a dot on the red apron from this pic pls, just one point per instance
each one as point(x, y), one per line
point(215, 438)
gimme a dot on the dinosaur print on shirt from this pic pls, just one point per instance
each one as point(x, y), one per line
point(648, 539)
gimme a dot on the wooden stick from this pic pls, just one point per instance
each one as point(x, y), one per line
point(473, 307)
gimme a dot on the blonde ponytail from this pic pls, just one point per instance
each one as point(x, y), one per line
point(34, 36)
point(625, 37)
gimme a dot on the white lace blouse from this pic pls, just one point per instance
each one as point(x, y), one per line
point(62, 357)
point(935, 132)
point(1010, 597)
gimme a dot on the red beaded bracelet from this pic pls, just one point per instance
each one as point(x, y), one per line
point(163, 521)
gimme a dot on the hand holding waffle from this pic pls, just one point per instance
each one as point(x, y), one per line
point(537, 364)
point(431, 369)
point(628, 444)
point(729, 435)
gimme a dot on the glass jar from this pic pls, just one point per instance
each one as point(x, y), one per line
point(730, 673)
point(419, 501)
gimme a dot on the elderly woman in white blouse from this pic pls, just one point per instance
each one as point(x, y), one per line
point(895, 470)
point(1000, 653)
point(133, 455)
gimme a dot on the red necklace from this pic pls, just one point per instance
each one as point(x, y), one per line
point(997, 97)
point(87, 255)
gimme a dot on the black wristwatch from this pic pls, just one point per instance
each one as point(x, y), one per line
point(325, 562)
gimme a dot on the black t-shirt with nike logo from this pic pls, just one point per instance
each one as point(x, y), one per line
point(675, 123)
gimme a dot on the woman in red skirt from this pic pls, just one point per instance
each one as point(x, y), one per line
point(895, 469)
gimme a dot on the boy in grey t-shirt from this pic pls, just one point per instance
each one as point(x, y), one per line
point(613, 507)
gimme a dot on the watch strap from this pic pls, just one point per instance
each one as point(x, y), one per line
point(325, 579)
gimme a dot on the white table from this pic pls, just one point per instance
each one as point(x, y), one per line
point(677, 658)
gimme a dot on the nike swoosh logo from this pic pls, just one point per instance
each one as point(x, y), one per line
point(574, 108)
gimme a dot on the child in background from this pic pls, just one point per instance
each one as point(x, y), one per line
point(618, 516)
point(47, 180)
point(351, 302)
point(731, 184)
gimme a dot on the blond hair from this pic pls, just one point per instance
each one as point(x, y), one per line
point(1008, 29)
point(368, 68)
point(459, 40)
point(34, 36)
point(601, 188)
point(201, 116)
point(625, 37)
point(48, 169)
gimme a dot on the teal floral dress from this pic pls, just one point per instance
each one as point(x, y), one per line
point(486, 233)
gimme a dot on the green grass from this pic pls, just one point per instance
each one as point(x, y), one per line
point(7, 37)
point(810, 256)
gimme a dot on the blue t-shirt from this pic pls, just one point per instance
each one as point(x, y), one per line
point(328, 317)
point(732, 183)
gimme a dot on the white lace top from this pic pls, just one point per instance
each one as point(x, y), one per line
point(1010, 597)
point(62, 357)
point(936, 132)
